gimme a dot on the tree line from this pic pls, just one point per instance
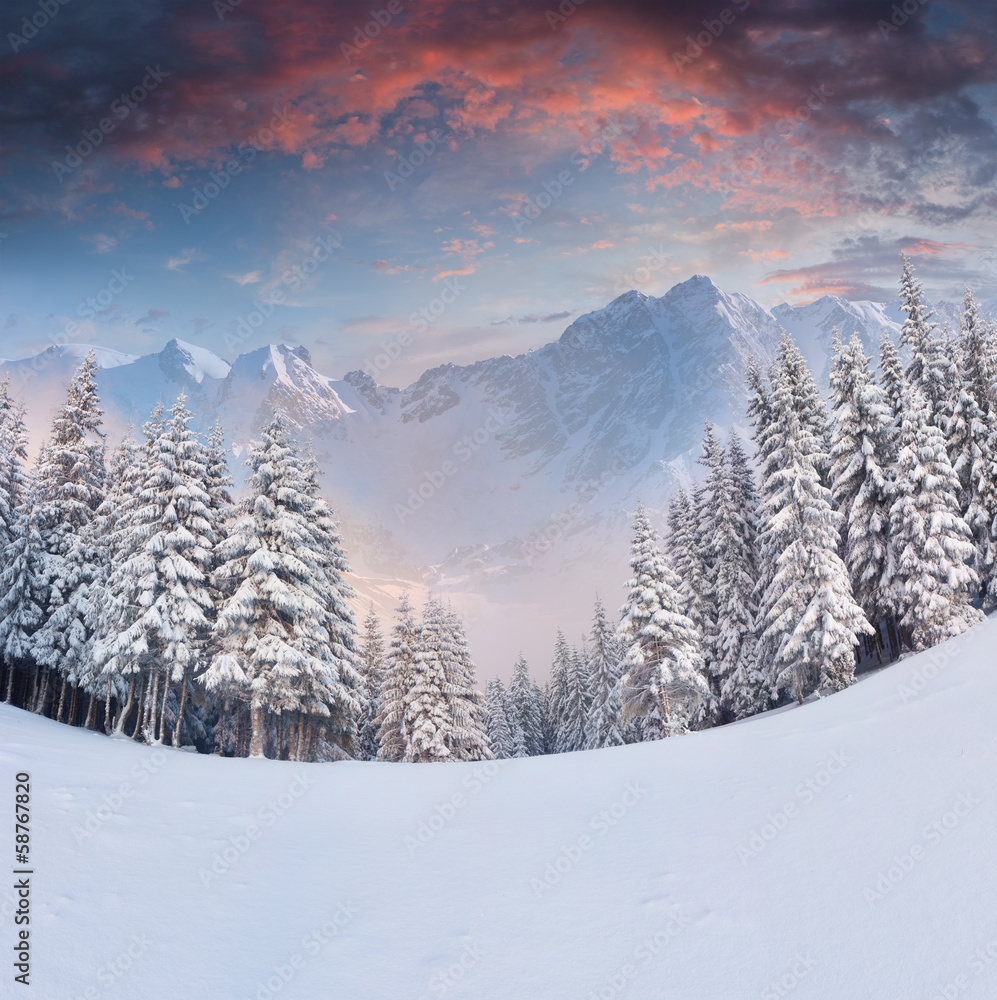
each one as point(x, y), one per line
point(137, 598)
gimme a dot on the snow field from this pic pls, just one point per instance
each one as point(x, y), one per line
point(843, 849)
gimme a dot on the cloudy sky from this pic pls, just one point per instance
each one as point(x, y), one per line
point(497, 169)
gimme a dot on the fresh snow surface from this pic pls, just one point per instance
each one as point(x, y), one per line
point(739, 862)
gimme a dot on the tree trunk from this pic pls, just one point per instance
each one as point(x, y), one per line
point(256, 741)
point(309, 732)
point(74, 705)
point(62, 697)
point(92, 713)
point(41, 693)
point(151, 705)
point(10, 684)
point(238, 735)
point(180, 709)
point(119, 727)
point(141, 707)
point(299, 750)
point(161, 724)
point(221, 729)
point(107, 707)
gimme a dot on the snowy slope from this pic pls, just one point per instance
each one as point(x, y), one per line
point(839, 851)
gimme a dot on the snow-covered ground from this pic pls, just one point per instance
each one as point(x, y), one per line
point(841, 850)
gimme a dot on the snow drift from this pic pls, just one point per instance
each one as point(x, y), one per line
point(839, 850)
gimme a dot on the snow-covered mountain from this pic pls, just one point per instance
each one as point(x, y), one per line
point(838, 851)
point(510, 471)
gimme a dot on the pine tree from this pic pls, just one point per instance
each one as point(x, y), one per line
point(372, 669)
point(396, 682)
point(811, 620)
point(928, 370)
point(577, 701)
point(862, 447)
point(284, 625)
point(69, 487)
point(161, 616)
point(790, 397)
point(526, 705)
point(892, 377)
point(605, 659)
point(932, 577)
point(20, 588)
point(663, 664)
point(427, 724)
point(557, 693)
point(735, 681)
point(13, 458)
point(501, 741)
point(467, 740)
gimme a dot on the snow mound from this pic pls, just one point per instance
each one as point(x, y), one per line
point(840, 850)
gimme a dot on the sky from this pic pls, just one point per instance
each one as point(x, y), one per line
point(448, 180)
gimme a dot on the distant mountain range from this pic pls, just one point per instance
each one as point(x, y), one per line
point(508, 482)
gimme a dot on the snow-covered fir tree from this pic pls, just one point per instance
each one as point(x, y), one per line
point(396, 682)
point(863, 444)
point(811, 620)
point(501, 740)
point(13, 459)
point(441, 718)
point(557, 693)
point(928, 370)
point(932, 577)
point(526, 704)
point(730, 528)
point(604, 665)
point(577, 701)
point(283, 626)
point(69, 487)
point(161, 608)
point(467, 740)
point(663, 682)
point(892, 377)
point(372, 668)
